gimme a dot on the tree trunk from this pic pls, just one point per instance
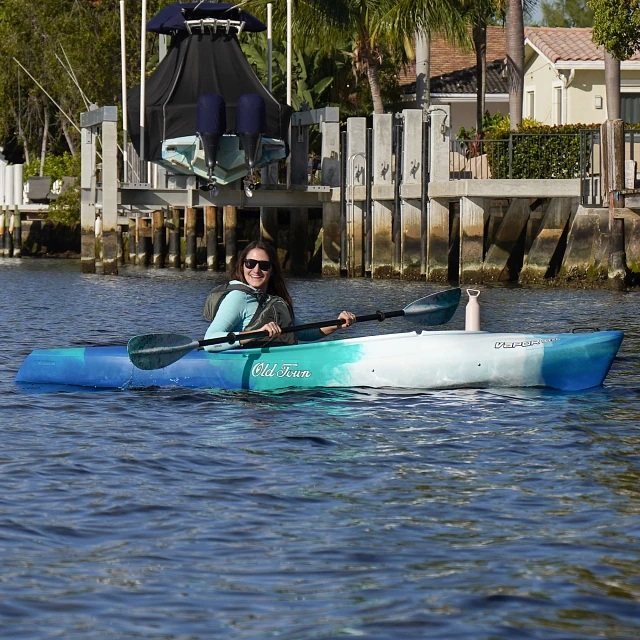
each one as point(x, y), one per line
point(21, 136)
point(612, 84)
point(480, 45)
point(374, 85)
point(67, 135)
point(423, 64)
point(45, 135)
point(515, 61)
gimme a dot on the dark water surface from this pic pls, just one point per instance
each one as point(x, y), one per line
point(317, 514)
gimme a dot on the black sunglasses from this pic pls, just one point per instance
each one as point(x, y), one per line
point(250, 264)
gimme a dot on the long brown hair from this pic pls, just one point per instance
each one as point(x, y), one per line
point(276, 285)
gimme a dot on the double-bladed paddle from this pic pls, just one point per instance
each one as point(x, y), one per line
point(158, 350)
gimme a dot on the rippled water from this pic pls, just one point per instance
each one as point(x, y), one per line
point(315, 514)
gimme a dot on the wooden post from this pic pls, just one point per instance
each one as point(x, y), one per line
point(2, 227)
point(174, 238)
point(190, 260)
point(230, 244)
point(144, 241)
point(211, 233)
point(159, 239)
point(133, 240)
point(612, 135)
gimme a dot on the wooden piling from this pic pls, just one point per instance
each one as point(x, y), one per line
point(159, 239)
point(190, 260)
point(8, 237)
point(174, 238)
point(612, 135)
point(211, 234)
point(144, 241)
point(2, 226)
point(133, 240)
point(230, 243)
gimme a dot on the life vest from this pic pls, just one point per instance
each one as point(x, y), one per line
point(270, 309)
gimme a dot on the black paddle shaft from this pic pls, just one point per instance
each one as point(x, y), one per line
point(231, 338)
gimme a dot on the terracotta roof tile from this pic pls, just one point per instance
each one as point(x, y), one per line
point(574, 44)
point(464, 80)
point(446, 58)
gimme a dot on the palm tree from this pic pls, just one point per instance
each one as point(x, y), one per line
point(366, 24)
point(617, 29)
point(515, 60)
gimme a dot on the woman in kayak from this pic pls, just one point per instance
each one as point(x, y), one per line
point(256, 299)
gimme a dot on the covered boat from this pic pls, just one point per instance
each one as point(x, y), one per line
point(416, 360)
point(207, 113)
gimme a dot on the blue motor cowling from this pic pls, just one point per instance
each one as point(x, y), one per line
point(211, 124)
point(251, 124)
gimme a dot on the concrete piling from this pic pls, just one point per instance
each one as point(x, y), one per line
point(411, 195)
point(382, 194)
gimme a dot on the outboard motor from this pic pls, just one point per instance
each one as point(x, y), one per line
point(211, 124)
point(251, 124)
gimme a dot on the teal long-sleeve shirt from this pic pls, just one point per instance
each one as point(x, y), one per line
point(235, 313)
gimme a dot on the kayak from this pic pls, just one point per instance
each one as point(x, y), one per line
point(416, 360)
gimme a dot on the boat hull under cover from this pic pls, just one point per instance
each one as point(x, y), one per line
point(426, 360)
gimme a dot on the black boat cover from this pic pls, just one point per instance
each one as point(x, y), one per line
point(197, 64)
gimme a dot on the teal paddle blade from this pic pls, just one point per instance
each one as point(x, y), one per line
point(158, 350)
point(436, 309)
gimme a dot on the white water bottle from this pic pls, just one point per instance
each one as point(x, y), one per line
point(472, 314)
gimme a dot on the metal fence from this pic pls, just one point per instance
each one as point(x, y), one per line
point(529, 156)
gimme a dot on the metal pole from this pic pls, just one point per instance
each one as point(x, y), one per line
point(269, 47)
point(123, 71)
point(143, 64)
point(289, 10)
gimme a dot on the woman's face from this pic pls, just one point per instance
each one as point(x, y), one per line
point(257, 269)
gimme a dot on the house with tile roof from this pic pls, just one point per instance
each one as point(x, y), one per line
point(453, 79)
point(564, 78)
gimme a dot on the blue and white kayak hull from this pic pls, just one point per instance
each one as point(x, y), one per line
point(427, 360)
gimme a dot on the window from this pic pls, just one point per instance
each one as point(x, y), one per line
point(557, 105)
point(530, 104)
point(630, 107)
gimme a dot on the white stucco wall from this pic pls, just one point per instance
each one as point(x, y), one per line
point(463, 114)
point(579, 96)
